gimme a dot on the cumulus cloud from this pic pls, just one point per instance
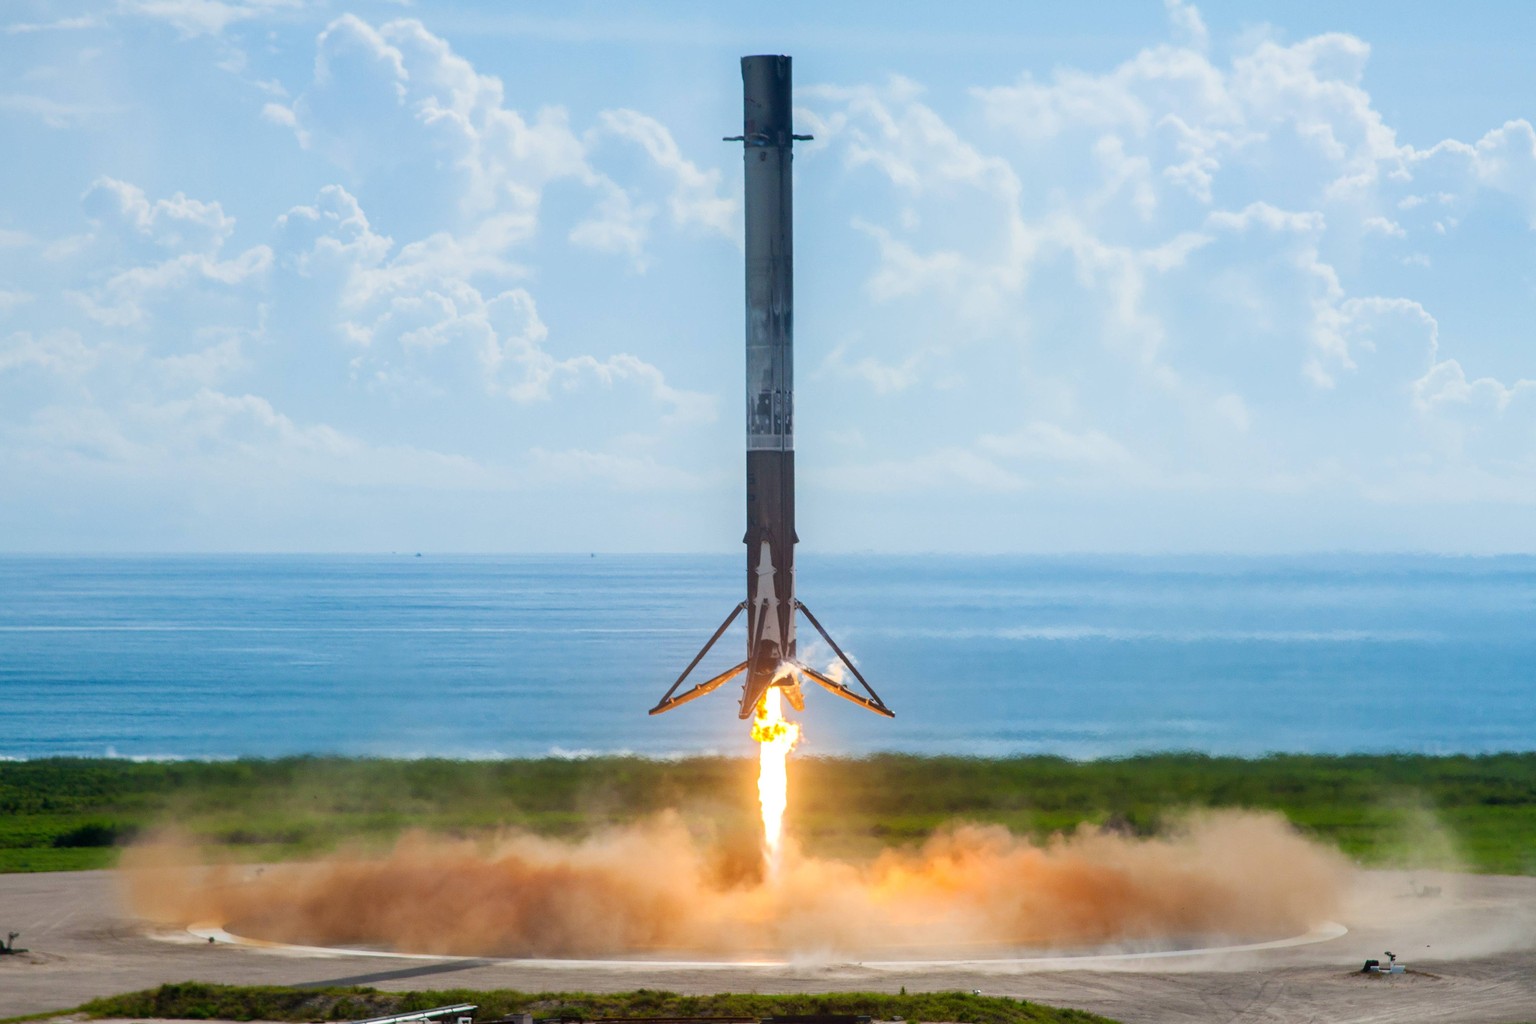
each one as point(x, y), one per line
point(1203, 262)
point(175, 223)
point(180, 324)
point(447, 295)
point(394, 96)
point(1173, 246)
point(124, 300)
point(618, 225)
point(396, 102)
point(1187, 23)
point(696, 198)
point(1502, 161)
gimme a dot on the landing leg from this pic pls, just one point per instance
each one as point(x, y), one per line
point(667, 702)
point(873, 703)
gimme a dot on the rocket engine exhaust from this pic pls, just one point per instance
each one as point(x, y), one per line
point(776, 737)
point(767, 140)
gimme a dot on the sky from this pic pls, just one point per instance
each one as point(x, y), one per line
point(1131, 277)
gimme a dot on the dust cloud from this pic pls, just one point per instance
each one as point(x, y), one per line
point(657, 889)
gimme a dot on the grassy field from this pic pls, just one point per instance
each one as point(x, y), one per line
point(195, 1001)
point(62, 814)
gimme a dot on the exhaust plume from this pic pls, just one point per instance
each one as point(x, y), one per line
point(654, 888)
point(776, 737)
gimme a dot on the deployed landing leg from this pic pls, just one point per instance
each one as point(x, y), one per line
point(668, 702)
point(872, 703)
point(787, 675)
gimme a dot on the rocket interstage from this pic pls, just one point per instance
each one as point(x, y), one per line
point(767, 141)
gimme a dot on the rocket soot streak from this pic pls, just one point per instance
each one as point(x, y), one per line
point(772, 668)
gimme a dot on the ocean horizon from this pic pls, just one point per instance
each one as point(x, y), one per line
point(484, 656)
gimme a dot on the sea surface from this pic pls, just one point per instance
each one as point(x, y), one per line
point(486, 656)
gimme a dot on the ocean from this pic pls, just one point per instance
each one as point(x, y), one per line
point(523, 656)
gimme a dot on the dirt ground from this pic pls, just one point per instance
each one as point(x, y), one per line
point(1469, 943)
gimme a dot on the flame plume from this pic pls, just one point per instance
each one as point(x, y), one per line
point(777, 737)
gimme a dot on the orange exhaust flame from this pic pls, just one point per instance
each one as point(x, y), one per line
point(777, 737)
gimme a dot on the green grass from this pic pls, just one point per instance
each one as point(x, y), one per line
point(66, 814)
point(13, 860)
point(197, 1001)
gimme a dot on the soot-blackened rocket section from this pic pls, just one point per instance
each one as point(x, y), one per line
point(768, 149)
point(768, 140)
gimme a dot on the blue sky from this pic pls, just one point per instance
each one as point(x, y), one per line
point(1142, 277)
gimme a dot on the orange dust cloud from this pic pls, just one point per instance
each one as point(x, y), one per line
point(655, 888)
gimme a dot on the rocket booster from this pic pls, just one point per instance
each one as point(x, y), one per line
point(767, 141)
point(767, 150)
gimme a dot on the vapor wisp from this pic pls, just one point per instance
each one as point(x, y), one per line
point(657, 889)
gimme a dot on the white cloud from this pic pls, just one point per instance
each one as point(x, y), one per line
point(622, 472)
point(940, 469)
point(334, 234)
point(1502, 160)
point(124, 299)
point(1446, 384)
point(204, 17)
point(246, 434)
point(397, 96)
point(10, 300)
point(413, 308)
point(54, 113)
point(1053, 443)
point(60, 25)
point(207, 367)
point(1184, 272)
point(1268, 216)
point(61, 352)
point(1384, 226)
point(696, 199)
point(1127, 99)
point(1234, 410)
point(397, 102)
point(284, 117)
point(1187, 23)
point(59, 436)
point(883, 377)
point(1235, 337)
point(175, 223)
point(617, 225)
point(1123, 173)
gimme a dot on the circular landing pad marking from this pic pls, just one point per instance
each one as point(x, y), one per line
point(213, 933)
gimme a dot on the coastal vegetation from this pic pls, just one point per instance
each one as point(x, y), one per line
point(1473, 812)
point(196, 1001)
